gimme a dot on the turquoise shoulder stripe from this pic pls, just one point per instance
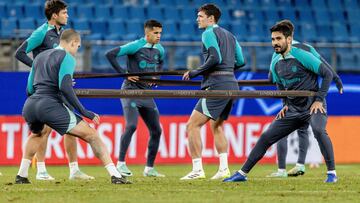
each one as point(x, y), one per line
point(313, 51)
point(67, 66)
point(161, 50)
point(209, 40)
point(131, 47)
point(307, 59)
point(37, 37)
point(238, 54)
point(274, 60)
point(30, 82)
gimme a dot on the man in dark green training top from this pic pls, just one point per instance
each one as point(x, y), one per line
point(222, 55)
point(49, 83)
point(293, 68)
point(47, 36)
point(144, 55)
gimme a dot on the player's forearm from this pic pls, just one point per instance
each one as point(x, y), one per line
point(211, 62)
point(327, 76)
point(111, 57)
point(22, 56)
point(69, 94)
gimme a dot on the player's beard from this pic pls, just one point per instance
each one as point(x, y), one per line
point(282, 49)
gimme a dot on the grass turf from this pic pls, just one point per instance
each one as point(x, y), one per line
point(308, 188)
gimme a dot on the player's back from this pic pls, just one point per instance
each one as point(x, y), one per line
point(226, 41)
point(46, 71)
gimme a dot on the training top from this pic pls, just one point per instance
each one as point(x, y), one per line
point(142, 57)
point(51, 76)
point(43, 38)
point(299, 70)
point(221, 52)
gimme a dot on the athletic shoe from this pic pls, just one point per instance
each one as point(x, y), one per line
point(44, 176)
point(122, 180)
point(221, 174)
point(194, 175)
point(124, 171)
point(153, 173)
point(237, 177)
point(78, 175)
point(331, 178)
point(21, 180)
point(278, 174)
point(297, 171)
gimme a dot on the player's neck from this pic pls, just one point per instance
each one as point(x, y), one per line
point(53, 23)
point(287, 51)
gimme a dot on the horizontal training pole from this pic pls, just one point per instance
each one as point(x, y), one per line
point(198, 83)
point(114, 75)
point(112, 93)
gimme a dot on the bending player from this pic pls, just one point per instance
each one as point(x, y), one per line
point(293, 68)
point(47, 36)
point(50, 77)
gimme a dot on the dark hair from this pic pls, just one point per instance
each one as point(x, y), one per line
point(285, 27)
point(54, 6)
point(211, 10)
point(150, 24)
point(68, 35)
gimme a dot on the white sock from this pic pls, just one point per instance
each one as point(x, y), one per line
point(147, 169)
point(119, 163)
point(333, 172)
point(281, 170)
point(74, 166)
point(24, 168)
point(112, 170)
point(197, 164)
point(41, 168)
point(242, 172)
point(223, 161)
point(299, 165)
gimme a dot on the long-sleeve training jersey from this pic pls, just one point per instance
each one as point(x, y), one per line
point(43, 38)
point(142, 57)
point(221, 52)
point(51, 76)
point(299, 70)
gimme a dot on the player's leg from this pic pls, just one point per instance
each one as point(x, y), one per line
point(299, 168)
point(221, 145)
point(131, 115)
point(194, 124)
point(281, 147)
point(70, 144)
point(152, 120)
point(91, 136)
point(318, 124)
point(42, 173)
point(31, 147)
point(277, 130)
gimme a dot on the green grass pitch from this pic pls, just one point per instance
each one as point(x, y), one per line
point(258, 188)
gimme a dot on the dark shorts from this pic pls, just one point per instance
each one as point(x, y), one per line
point(50, 111)
point(217, 108)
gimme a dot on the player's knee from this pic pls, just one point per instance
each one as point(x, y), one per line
point(191, 126)
point(130, 128)
point(318, 130)
point(156, 132)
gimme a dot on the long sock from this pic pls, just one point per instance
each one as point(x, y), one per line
point(223, 161)
point(197, 164)
point(74, 166)
point(112, 170)
point(41, 168)
point(24, 168)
